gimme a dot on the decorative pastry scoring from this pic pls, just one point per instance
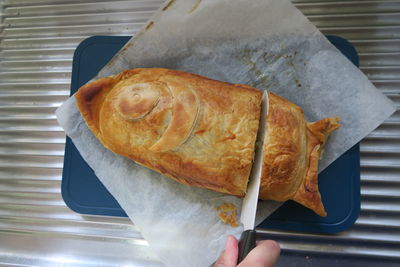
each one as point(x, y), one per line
point(184, 114)
point(197, 131)
point(135, 101)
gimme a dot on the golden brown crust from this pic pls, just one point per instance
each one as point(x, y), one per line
point(308, 193)
point(193, 129)
point(284, 143)
point(90, 98)
point(184, 115)
point(202, 132)
point(138, 100)
point(227, 214)
point(292, 148)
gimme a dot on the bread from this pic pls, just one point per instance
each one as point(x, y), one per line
point(291, 151)
point(202, 132)
point(195, 130)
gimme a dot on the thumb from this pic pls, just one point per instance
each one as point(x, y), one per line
point(265, 254)
point(229, 256)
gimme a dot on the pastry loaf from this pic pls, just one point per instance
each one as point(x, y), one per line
point(202, 132)
point(195, 130)
point(291, 150)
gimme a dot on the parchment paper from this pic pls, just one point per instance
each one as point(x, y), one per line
point(264, 43)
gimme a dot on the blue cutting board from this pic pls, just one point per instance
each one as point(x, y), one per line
point(339, 183)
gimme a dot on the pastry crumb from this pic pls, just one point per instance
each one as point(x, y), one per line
point(227, 214)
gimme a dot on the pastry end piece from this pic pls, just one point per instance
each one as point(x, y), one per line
point(308, 193)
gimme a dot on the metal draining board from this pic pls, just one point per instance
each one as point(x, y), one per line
point(37, 41)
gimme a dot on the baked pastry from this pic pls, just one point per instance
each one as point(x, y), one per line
point(202, 132)
point(291, 150)
point(195, 130)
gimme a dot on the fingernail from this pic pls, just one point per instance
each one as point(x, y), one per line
point(273, 245)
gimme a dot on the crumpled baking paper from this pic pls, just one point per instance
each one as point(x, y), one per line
point(264, 43)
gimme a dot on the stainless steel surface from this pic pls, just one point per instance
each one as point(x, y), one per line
point(37, 41)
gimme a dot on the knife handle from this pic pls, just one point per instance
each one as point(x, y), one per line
point(246, 243)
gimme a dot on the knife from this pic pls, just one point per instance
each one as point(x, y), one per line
point(249, 207)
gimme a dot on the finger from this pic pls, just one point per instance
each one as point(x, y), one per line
point(229, 256)
point(265, 254)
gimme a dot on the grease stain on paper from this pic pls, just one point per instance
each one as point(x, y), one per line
point(149, 26)
point(247, 59)
point(170, 3)
point(195, 6)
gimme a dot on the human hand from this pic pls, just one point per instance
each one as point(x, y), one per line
point(265, 254)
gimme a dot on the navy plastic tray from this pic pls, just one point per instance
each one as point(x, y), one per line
point(84, 193)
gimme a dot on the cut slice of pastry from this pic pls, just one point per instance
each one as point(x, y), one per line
point(292, 147)
point(195, 130)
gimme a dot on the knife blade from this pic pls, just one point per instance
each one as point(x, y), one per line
point(249, 207)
